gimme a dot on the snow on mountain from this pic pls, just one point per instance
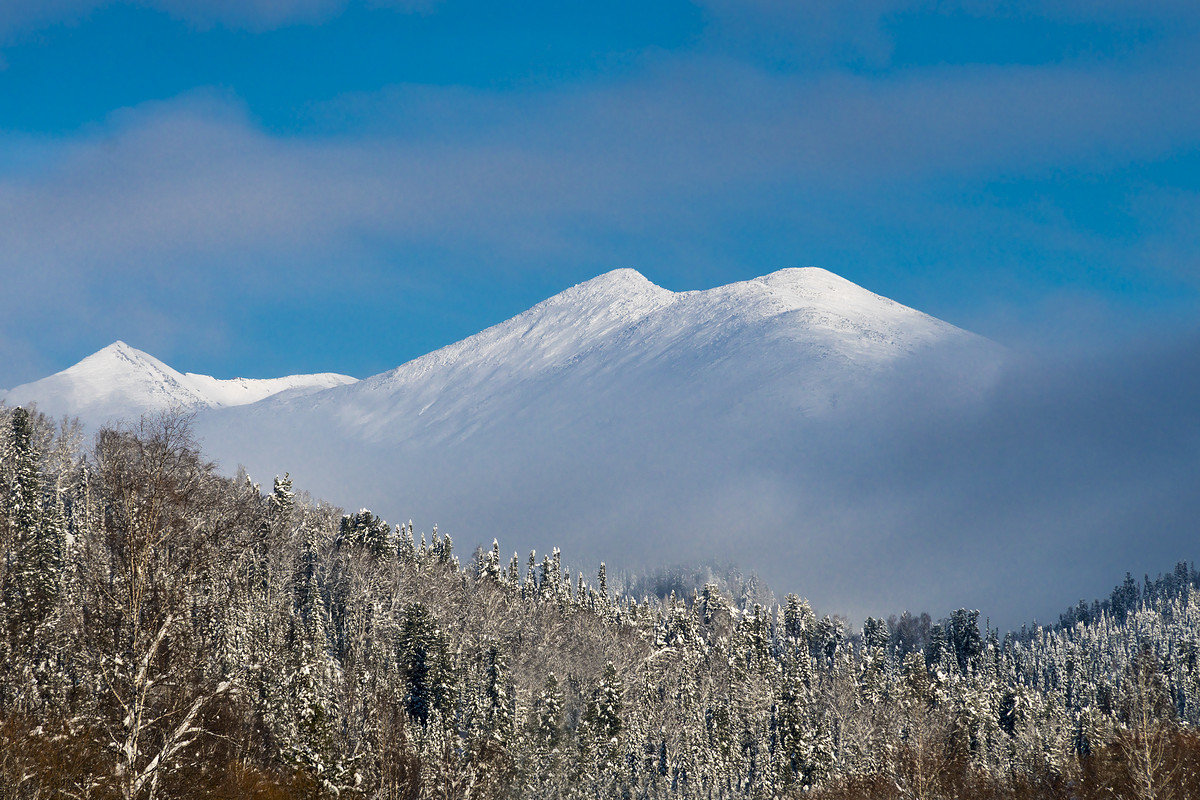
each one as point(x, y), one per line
point(616, 420)
point(618, 408)
point(799, 334)
point(122, 382)
point(241, 391)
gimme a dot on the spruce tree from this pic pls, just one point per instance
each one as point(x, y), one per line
point(35, 560)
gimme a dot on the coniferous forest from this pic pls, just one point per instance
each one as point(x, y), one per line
point(169, 632)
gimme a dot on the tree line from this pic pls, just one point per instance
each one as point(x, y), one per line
point(170, 632)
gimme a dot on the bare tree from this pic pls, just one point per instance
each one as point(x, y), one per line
point(155, 595)
point(1146, 741)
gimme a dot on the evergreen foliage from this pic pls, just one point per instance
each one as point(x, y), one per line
point(169, 632)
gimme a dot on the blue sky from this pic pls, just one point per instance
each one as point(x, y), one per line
point(261, 187)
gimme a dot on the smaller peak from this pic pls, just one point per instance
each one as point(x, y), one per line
point(118, 349)
point(120, 356)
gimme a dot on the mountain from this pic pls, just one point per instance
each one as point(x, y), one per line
point(798, 335)
point(122, 382)
point(622, 420)
point(621, 417)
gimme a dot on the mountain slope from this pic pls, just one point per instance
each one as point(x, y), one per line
point(800, 335)
point(625, 421)
point(618, 407)
point(121, 382)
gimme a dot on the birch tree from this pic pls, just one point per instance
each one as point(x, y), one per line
point(155, 596)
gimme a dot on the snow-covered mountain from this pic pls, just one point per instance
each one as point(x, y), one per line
point(618, 415)
point(122, 382)
point(798, 339)
point(616, 419)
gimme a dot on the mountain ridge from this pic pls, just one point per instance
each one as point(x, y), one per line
point(120, 381)
point(617, 397)
point(618, 416)
point(623, 317)
point(550, 334)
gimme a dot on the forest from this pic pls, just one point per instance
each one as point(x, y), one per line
point(167, 631)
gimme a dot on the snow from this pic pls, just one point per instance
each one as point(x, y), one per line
point(122, 382)
point(240, 391)
point(615, 397)
point(807, 331)
point(801, 334)
point(615, 419)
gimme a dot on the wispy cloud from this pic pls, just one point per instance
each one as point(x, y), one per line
point(24, 15)
point(194, 186)
point(198, 173)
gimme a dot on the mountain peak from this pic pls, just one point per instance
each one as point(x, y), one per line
point(119, 381)
point(548, 334)
point(587, 309)
point(621, 276)
point(814, 290)
point(609, 287)
point(812, 281)
point(804, 275)
point(123, 354)
point(120, 348)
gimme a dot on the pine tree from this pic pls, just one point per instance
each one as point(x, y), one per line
point(407, 548)
point(367, 532)
point(965, 641)
point(422, 657)
point(529, 590)
point(604, 716)
point(37, 540)
point(493, 742)
point(283, 499)
point(34, 557)
point(490, 566)
point(546, 725)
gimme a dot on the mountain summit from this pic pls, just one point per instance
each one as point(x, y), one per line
point(615, 400)
point(803, 336)
point(122, 382)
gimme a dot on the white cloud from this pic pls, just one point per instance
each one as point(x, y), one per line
point(195, 175)
point(191, 196)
